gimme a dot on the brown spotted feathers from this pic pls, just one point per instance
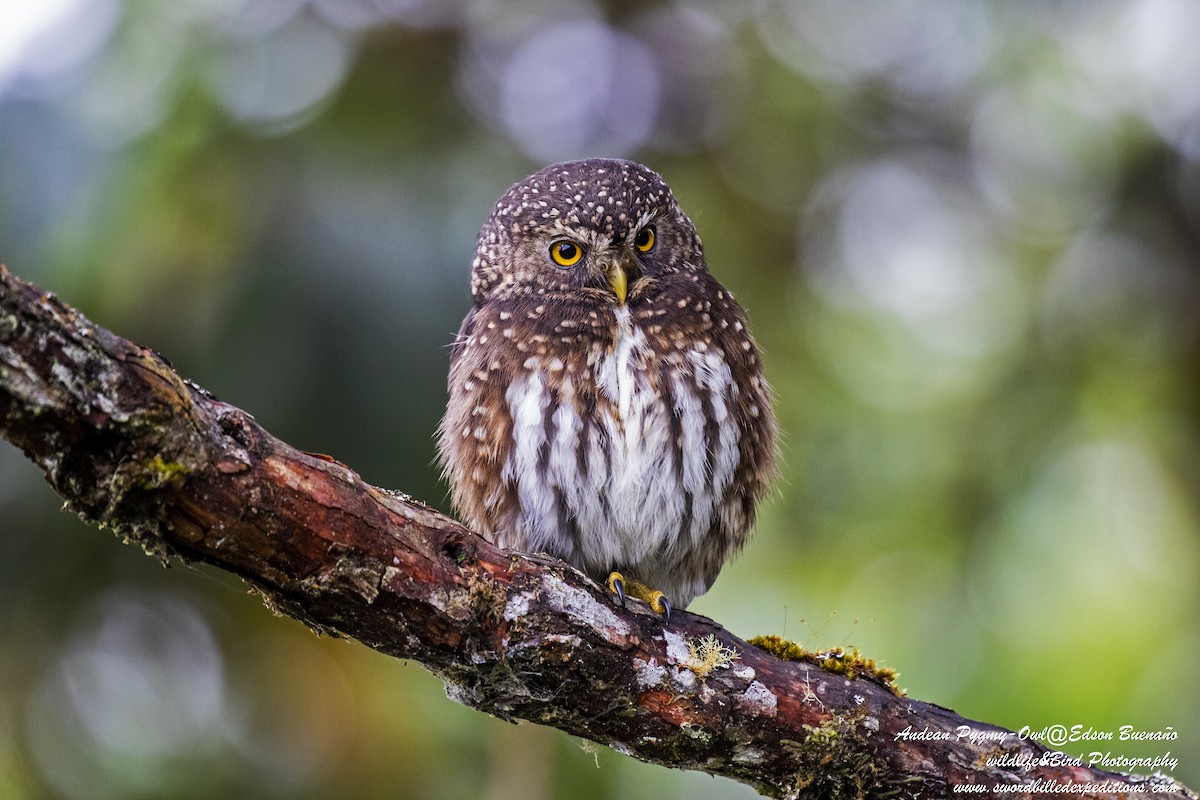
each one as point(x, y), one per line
point(635, 436)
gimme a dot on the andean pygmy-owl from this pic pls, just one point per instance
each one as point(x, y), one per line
point(607, 403)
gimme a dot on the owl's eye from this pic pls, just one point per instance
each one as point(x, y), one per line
point(644, 240)
point(565, 253)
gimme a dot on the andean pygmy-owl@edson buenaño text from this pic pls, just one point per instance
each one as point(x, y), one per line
point(607, 403)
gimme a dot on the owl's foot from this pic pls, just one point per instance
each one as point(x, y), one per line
point(618, 585)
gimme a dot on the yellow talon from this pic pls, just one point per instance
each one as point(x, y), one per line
point(658, 601)
point(618, 585)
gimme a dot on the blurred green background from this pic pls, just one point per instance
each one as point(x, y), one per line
point(967, 234)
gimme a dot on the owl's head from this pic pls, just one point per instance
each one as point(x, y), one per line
point(601, 229)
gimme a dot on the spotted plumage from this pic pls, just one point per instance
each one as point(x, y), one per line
point(607, 404)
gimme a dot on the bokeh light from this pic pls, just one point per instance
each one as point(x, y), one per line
point(563, 89)
point(136, 698)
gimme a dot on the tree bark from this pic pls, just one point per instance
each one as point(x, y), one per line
point(132, 446)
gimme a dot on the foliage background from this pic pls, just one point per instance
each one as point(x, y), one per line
point(967, 235)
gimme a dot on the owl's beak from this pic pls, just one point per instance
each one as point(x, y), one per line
point(619, 282)
point(618, 276)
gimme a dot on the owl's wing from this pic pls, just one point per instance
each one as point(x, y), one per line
point(476, 431)
point(464, 333)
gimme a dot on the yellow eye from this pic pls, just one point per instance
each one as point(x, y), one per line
point(644, 240)
point(566, 254)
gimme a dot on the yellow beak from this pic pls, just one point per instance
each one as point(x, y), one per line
point(618, 279)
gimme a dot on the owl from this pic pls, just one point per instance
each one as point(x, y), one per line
point(606, 399)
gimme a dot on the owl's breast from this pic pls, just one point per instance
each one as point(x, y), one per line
point(622, 371)
point(623, 452)
point(631, 440)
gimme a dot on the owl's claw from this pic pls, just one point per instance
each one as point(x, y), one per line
point(657, 601)
point(660, 604)
point(616, 585)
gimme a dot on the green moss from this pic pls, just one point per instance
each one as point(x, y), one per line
point(128, 504)
point(158, 472)
point(696, 732)
point(835, 762)
point(780, 648)
point(850, 663)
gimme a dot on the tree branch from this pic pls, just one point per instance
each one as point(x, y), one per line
point(132, 446)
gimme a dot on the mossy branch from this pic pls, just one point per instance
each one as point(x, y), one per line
point(132, 446)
